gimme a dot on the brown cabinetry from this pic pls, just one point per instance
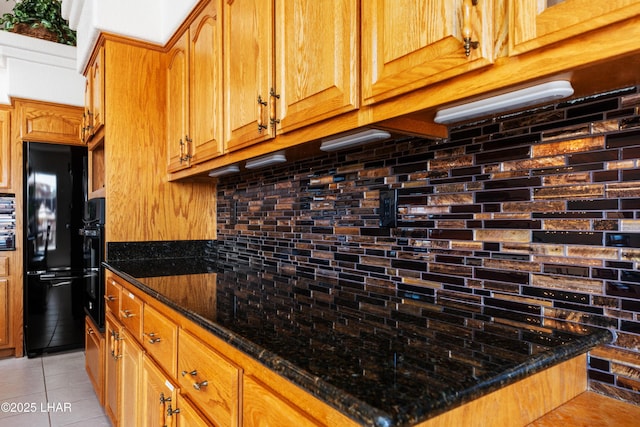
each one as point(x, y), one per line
point(130, 314)
point(93, 116)
point(263, 406)
point(158, 395)
point(111, 368)
point(534, 24)
point(130, 359)
point(416, 43)
point(45, 122)
point(94, 357)
point(278, 75)
point(160, 339)
point(5, 149)
point(209, 380)
point(4, 311)
point(194, 92)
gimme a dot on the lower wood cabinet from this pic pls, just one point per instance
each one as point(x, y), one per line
point(188, 416)
point(158, 395)
point(94, 357)
point(210, 380)
point(130, 360)
point(160, 339)
point(111, 375)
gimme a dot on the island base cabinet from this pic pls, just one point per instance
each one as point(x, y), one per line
point(188, 416)
point(112, 337)
point(130, 367)
point(263, 407)
point(94, 357)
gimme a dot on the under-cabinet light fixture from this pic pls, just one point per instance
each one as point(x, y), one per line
point(268, 160)
point(538, 94)
point(353, 139)
point(224, 171)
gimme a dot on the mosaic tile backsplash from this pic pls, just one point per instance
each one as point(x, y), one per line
point(532, 216)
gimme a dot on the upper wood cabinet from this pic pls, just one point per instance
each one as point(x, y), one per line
point(248, 66)
point(93, 116)
point(5, 149)
point(535, 24)
point(288, 64)
point(409, 44)
point(45, 122)
point(194, 92)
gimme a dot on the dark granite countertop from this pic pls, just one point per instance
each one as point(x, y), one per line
point(388, 361)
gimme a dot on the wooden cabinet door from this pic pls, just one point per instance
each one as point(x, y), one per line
point(131, 366)
point(317, 61)
point(408, 44)
point(97, 92)
point(248, 65)
point(94, 357)
point(111, 367)
point(158, 395)
point(5, 149)
point(263, 407)
point(535, 24)
point(178, 104)
point(4, 312)
point(205, 73)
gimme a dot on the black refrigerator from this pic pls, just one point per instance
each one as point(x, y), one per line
point(55, 192)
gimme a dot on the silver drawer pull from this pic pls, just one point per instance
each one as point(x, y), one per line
point(197, 386)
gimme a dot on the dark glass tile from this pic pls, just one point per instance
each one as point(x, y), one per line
point(628, 204)
point(346, 257)
point(606, 176)
point(595, 107)
point(378, 231)
point(518, 317)
point(503, 276)
point(631, 153)
point(466, 208)
point(566, 270)
point(415, 191)
point(409, 265)
point(511, 142)
point(630, 276)
point(443, 278)
point(451, 234)
point(599, 364)
point(449, 259)
point(472, 170)
point(491, 207)
point(556, 295)
point(623, 139)
point(503, 196)
point(569, 122)
point(625, 290)
point(630, 123)
point(512, 305)
point(631, 305)
point(631, 175)
point(415, 158)
point(581, 308)
point(604, 273)
point(618, 264)
point(503, 155)
point(513, 183)
point(601, 376)
point(513, 224)
point(491, 246)
point(632, 327)
point(593, 157)
point(451, 216)
point(465, 134)
point(567, 237)
point(627, 240)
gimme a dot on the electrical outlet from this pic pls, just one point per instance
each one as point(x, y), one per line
point(388, 208)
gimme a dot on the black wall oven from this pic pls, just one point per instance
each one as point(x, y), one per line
point(94, 251)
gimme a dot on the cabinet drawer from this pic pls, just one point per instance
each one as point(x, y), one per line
point(160, 339)
point(112, 295)
point(209, 380)
point(4, 266)
point(131, 313)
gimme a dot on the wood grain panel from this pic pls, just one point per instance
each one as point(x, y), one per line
point(4, 311)
point(5, 149)
point(522, 402)
point(141, 204)
point(590, 409)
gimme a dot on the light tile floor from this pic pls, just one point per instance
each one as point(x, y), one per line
point(48, 391)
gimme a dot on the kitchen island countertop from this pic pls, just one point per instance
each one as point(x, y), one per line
point(384, 359)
